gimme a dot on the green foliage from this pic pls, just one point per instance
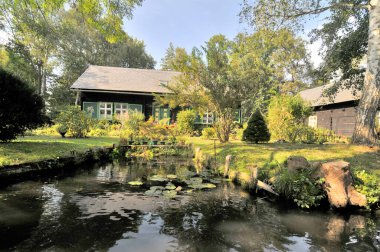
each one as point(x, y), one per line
point(368, 184)
point(130, 124)
point(62, 130)
point(75, 120)
point(257, 130)
point(186, 121)
point(20, 108)
point(46, 131)
point(208, 133)
point(286, 116)
point(300, 187)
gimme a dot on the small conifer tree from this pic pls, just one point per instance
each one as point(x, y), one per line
point(257, 130)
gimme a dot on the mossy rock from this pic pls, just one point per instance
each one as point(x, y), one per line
point(135, 183)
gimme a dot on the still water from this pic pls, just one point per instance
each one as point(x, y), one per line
point(94, 209)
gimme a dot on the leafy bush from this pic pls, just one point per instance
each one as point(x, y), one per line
point(368, 184)
point(62, 130)
point(20, 108)
point(75, 120)
point(208, 133)
point(130, 124)
point(186, 121)
point(286, 116)
point(46, 131)
point(257, 130)
point(300, 187)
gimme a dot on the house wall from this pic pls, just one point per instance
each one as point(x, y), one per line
point(145, 100)
point(339, 118)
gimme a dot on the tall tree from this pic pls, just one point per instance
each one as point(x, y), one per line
point(33, 27)
point(80, 45)
point(224, 75)
point(277, 13)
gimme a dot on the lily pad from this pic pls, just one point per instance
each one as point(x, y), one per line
point(170, 186)
point(202, 186)
point(171, 176)
point(135, 183)
point(158, 178)
point(170, 193)
point(196, 179)
point(215, 181)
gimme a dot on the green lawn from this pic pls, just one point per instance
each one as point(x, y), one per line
point(260, 154)
point(35, 148)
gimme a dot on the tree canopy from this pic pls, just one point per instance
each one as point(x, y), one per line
point(20, 108)
point(52, 42)
point(350, 33)
point(225, 75)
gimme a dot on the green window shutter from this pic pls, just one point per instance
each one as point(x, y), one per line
point(91, 108)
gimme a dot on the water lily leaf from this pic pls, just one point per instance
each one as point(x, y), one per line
point(202, 186)
point(170, 193)
point(171, 176)
point(196, 180)
point(215, 181)
point(158, 178)
point(135, 183)
point(153, 192)
point(170, 186)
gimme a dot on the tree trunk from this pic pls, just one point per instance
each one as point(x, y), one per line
point(365, 119)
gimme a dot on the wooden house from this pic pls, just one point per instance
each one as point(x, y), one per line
point(336, 113)
point(107, 91)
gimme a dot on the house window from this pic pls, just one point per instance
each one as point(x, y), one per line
point(121, 108)
point(105, 110)
point(208, 118)
point(313, 121)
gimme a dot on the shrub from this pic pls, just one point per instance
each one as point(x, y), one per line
point(286, 116)
point(20, 108)
point(208, 133)
point(368, 184)
point(257, 130)
point(62, 130)
point(75, 120)
point(300, 187)
point(46, 131)
point(130, 124)
point(186, 121)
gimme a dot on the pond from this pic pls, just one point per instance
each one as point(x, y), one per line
point(95, 208)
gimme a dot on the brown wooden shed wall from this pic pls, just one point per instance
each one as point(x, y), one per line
point(337, 117)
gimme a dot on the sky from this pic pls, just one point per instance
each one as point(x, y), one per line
point(185, 23)
point(189, 23)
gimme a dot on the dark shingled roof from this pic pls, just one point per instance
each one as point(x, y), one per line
point(102, 78)
point(316, 96)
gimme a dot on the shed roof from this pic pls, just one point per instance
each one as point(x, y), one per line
point(103, 78)
point(317, 98)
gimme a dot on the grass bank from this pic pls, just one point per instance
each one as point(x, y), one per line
point(37, 148)
point(271, 153)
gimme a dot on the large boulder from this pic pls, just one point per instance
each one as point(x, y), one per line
point(295, 163)
point(338, 185)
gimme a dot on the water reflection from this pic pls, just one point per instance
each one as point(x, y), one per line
point(95, 209)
